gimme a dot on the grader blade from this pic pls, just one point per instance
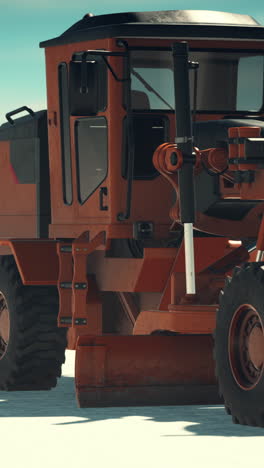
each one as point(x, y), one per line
point(145, 370)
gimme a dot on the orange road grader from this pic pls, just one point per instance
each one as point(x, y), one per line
point(131, 211)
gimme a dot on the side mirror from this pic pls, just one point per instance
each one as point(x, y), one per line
point(87, 86)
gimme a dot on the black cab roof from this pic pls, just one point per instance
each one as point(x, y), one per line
point(162, 24)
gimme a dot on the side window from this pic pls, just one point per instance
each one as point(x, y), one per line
point(160, 80)
point(88, 87)
point(65, 133)
point(91, 153)
point(150, 131)
point(250, 83)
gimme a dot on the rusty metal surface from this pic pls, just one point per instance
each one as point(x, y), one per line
point(143, 370)
point(147, 396)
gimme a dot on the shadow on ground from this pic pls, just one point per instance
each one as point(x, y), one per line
point(60, 402)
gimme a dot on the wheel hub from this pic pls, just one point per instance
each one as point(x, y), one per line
point(4, 325)
point(256, 346)
point(246, 347)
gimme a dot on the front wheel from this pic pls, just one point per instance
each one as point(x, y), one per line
point(239, 345)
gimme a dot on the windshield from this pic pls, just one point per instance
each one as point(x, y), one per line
point(227, 81)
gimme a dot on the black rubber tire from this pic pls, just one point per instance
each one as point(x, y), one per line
point(36, 346)
point(246, 406)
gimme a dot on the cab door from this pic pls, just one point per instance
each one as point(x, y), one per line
point(83, 142)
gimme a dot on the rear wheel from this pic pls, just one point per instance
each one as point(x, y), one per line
point(32, 347)
point(4, 325)
point(239, 345)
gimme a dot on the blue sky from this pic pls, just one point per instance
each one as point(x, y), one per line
point(24, 23)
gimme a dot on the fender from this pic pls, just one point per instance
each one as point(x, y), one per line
point(36, 260)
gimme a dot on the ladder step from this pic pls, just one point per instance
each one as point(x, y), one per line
point(75, 304)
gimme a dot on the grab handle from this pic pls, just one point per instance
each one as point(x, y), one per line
point(17, 111)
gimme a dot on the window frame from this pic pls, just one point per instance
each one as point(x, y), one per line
point(65, 136)
point(77, 152)
point(202, 49)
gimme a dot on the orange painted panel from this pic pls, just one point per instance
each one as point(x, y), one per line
point(149, 274)
point(17, 201)
point(37, 261)
point(193, 319)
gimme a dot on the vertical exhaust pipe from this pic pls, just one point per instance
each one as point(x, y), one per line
point(184, 142)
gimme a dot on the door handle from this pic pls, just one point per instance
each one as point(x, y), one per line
point(103, 192)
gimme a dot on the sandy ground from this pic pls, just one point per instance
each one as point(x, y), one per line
point(47, 429)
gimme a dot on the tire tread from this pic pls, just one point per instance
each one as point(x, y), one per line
point(40, 345)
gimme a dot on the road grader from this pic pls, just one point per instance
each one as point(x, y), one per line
point(131, 212)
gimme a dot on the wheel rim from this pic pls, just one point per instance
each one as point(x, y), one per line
point(4, 325)
point(246, 347)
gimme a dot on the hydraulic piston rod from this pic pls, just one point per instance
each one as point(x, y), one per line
point(189, 258)
point(184, 142)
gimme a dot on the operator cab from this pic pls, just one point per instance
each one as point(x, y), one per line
point(111, 85)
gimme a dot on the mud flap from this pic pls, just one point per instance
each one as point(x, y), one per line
point(145, 370)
